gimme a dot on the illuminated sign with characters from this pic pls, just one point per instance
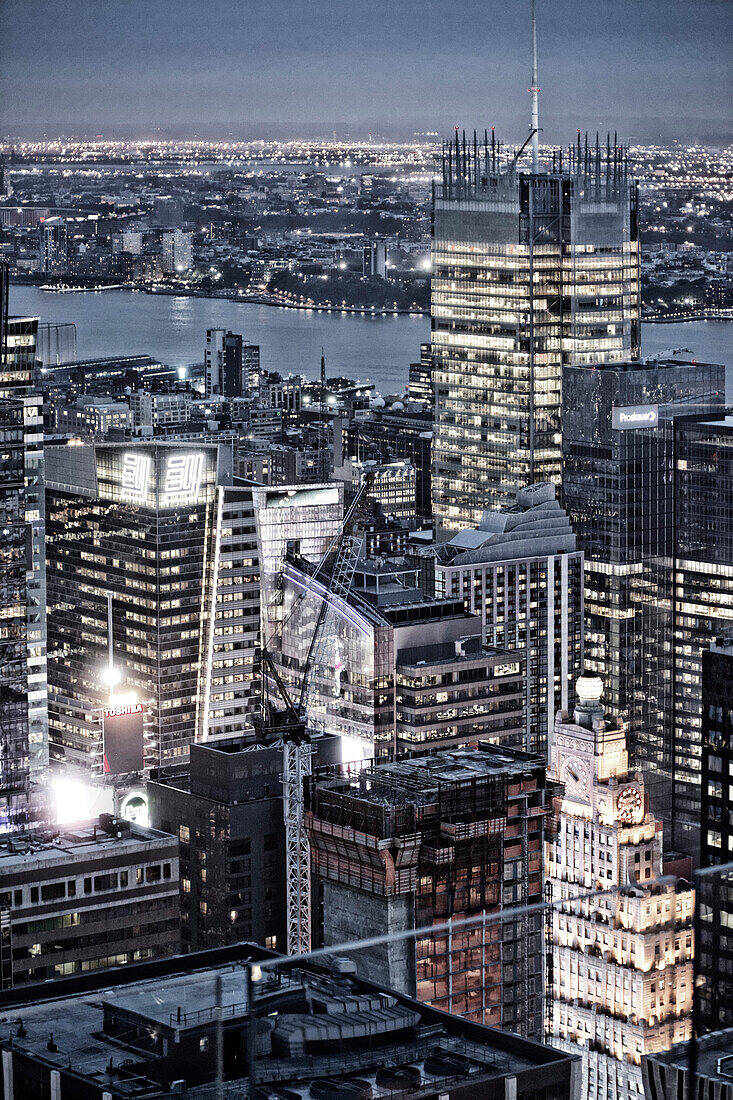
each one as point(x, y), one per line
point(135, 476)
point(183, 475)
point(635, 416)
point(123, 739)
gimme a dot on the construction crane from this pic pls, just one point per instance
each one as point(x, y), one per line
point(291, 725)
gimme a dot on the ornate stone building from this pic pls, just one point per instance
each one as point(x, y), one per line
point(619, 963)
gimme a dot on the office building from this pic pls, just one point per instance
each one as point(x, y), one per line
point(620, 976)
point(397, 432)
point(439, 839)
point(88, 897)
point(156, 551)
point(621, 493)
point(227, 810)
point(392, 485)
point(420, 378)
point(715, 887)
point(396, 671)
point(24, 725)
point(530, 271)
point(55, 344)
point(90, 418)
point(227, 368)
point(308, 517)
point(133, 538)
point(15, 644)
point(53, 254)
point(320, 1030)
point(160, 410)
point(703, 595)
point(521, 571)
point(177, 252)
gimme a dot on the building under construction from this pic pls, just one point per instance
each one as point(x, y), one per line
point(451, 839)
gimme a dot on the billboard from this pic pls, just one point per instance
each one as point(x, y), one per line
point(123, 741)
point(150, 475)
point(634, 416)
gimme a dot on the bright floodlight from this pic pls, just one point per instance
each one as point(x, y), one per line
point(79, 800)
point(589, 689)
point(111, 676)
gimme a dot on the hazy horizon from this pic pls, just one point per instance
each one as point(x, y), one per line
point(653, 71)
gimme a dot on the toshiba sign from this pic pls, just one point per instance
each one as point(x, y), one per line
point(635, 416)
point(126, 708)
point(123, 737)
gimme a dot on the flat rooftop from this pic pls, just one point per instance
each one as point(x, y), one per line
point(314, 1022)
point(710, 1050)
point(85, 840)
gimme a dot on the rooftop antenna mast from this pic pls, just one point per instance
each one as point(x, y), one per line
point(534, 93)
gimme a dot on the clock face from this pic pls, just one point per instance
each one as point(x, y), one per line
point(628, 805)
point(574, 776)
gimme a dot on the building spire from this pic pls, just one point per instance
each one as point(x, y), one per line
point(534, 93)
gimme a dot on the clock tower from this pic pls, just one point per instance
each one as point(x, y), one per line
point(588, 755)
point(619, 965)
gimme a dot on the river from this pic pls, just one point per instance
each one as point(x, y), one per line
point(375, 349)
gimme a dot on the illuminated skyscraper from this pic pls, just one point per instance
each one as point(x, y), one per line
point(177, 252)
point(522, 572)
point(133, 545)
point(23, 725)
point(54, 245)
point(531, 270)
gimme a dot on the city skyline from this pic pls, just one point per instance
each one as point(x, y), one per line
point(664, 71)
point(366, 583)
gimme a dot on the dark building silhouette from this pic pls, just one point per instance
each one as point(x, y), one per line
point(620, 444)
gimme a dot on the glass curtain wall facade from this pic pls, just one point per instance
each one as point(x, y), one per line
point(137, 522)
point(14, 748)
point(234, 626)
point(619, 491)
point(22, 569)
point(703, 594)
point(307, 519)
point(715, 891)
point(529, 272)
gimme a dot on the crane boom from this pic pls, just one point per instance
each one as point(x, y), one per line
point(292, 723)
point(297, 751)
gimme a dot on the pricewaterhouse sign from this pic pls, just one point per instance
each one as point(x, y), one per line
point(635, 416)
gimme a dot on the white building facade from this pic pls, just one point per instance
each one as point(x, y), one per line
point(619, 965)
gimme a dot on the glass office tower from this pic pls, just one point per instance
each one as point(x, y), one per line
point(703, 594)
point(133, 545)
point(530, 271)
point(23, 723)
point(619, 491)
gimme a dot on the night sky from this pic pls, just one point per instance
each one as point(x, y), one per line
point(289, 68)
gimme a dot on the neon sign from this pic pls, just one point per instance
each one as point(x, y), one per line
point(135, 475)
point(183, 475)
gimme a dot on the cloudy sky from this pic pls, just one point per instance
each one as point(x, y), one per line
point(256, 68)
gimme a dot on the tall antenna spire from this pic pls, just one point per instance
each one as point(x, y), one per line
point(534, 93)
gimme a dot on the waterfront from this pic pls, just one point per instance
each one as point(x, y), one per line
point(380, 349)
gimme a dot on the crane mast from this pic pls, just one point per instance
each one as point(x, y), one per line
point(293, 726)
